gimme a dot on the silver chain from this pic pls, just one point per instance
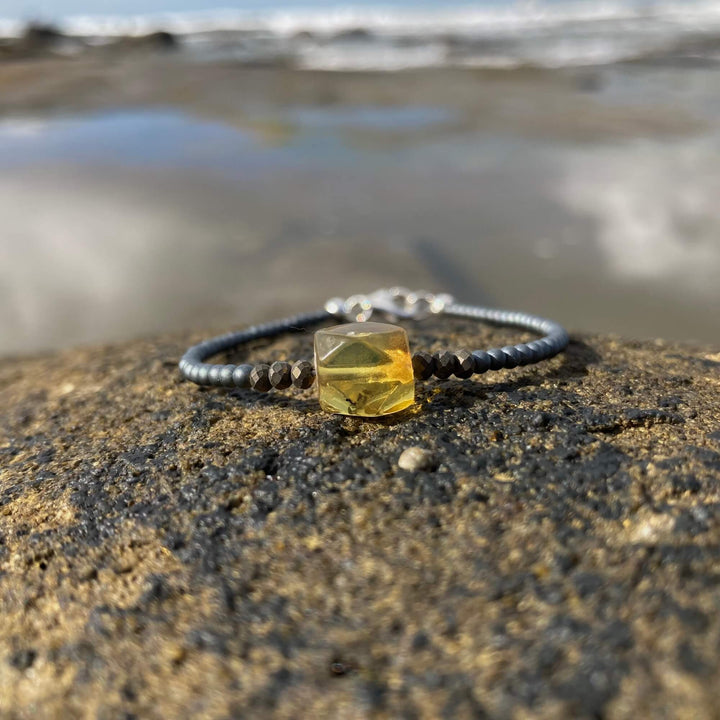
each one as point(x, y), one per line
point(395, 302)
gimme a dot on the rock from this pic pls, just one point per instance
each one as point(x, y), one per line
point(169, 551)
point(40, 37)
point(37, 40)
point(162, 39)
point(304, 36)
point(353, 35)
point(416, 458)
point(40, 41)
point(156, 41)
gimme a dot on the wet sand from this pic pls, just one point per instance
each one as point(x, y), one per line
point(146, 194)
point(534, 102)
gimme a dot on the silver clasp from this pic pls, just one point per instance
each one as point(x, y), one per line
point(396, 303)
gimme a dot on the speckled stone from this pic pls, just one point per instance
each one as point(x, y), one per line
point(173, 551)
point(464, 364)
point(445, 364)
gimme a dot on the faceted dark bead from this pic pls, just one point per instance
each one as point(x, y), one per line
point(423, 365)
point(280, 377)
point(260, 378)
point(444, 364)
point(465, 364)
point(303, 374)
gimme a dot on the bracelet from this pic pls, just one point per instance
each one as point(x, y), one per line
point(365, 368)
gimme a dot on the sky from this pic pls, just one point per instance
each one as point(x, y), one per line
point(48, 9)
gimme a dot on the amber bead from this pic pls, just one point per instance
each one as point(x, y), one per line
point(364, 369)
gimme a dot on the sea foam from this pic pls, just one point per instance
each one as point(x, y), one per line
point(525, 33)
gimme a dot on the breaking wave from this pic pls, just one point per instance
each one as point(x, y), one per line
point(544, 34)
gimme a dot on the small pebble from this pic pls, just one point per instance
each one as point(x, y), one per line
point(416, 458)
point(339, 668)
point(540, 420)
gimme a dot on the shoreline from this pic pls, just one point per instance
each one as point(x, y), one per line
point(551, 104)
point(149, 194)
point(552, 35)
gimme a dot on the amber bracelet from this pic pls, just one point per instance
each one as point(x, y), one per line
point(365, 368)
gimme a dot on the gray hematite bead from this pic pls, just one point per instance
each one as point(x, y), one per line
point(214, 374)
point(423, 365)
point(226, 375)
point(303, 374)
point(525, 353)
point(280, 376)
point(444, 364)
point(482, 361)
point(513, 356)
point(260, 378)
point(464, 364)
point(241, 376)
point(202, 374)
point(497, 359)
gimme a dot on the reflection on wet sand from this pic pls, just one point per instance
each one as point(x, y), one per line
point(654, 205)
point(125, 222)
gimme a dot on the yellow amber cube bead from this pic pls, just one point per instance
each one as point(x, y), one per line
point(364, 369)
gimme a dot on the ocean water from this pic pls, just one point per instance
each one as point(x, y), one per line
point(400, 34)
point(597, 207)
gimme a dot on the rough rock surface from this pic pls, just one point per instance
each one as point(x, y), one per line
point(167, 551)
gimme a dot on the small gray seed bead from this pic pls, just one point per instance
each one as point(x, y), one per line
point(202, 375)
point(512, 355)
point(226, 374)
point(241, 376)
point(497, 359)
point(526, 354)
point(482, 361)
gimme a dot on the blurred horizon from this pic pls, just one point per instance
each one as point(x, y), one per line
point(371, 34)
point(558, 156)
